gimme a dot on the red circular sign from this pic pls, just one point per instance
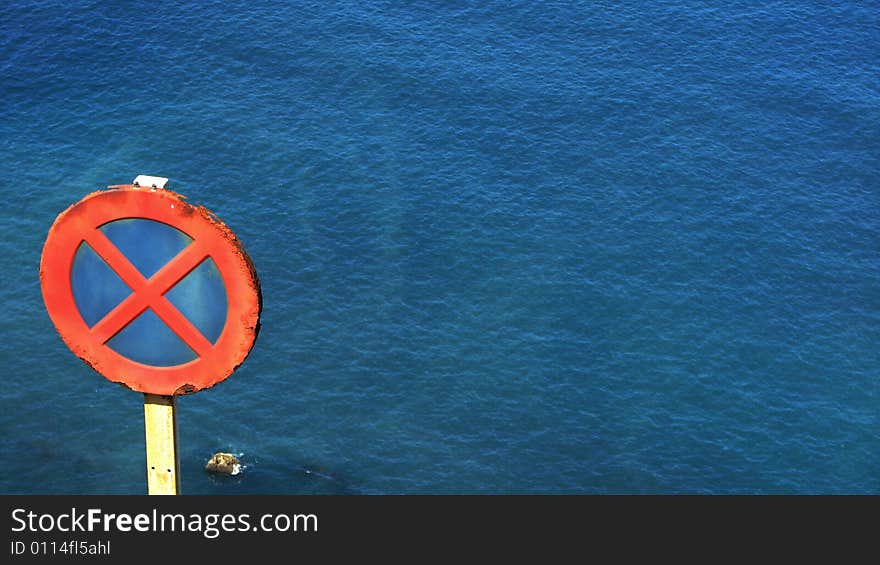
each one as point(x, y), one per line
point(210, 238)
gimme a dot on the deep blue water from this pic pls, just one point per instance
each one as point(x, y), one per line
point(504, 247)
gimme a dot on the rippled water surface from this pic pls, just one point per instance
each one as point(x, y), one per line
point(504, 247)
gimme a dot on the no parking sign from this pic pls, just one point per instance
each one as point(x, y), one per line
point(151, 292)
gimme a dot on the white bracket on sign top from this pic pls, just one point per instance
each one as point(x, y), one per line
point(146, 180)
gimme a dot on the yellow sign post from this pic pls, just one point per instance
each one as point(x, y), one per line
point(160, 422)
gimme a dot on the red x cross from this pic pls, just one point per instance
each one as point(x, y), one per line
point(149, 293)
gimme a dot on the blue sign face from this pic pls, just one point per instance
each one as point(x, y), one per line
point(149, 245)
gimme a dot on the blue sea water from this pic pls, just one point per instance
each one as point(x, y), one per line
point(504, 247)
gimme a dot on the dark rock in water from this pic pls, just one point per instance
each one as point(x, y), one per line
point(224, 463)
